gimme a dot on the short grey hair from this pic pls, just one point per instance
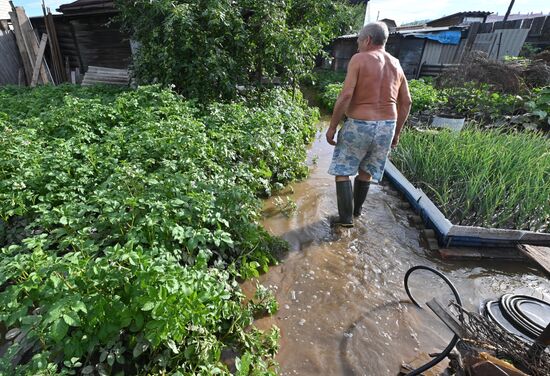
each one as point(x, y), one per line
point(378, 31)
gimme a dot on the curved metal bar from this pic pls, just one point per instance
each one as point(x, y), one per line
point(455, 338)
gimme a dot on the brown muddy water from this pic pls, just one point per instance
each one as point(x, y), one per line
point(342, 306)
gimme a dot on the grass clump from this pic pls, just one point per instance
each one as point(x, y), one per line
point(481, 177)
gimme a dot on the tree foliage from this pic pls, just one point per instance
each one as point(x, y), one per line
point(208, 47)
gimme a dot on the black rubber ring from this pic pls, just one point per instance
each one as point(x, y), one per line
point(455, 338)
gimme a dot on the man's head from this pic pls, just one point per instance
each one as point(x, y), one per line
point(374, 34)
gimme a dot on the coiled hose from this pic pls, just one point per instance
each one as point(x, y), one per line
point(455, 339)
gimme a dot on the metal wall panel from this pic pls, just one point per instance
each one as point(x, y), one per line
point(451, 53)
point(504, 42)
point(10, 63)
point(432, 53)
point(526, 24)
point(536, 26)
point(484, 42)
point(436, 53)
point(410, 55)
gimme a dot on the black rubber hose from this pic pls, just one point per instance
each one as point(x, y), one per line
point(455, 339)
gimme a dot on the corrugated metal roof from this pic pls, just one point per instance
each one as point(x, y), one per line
point(431, 29)
point(476, 13)
point(88, 7)
point(413, 31)
point(516, 16)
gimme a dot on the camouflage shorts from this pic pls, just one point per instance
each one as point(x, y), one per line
point(364, 145)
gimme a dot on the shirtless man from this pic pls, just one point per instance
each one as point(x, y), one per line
point(376, 100)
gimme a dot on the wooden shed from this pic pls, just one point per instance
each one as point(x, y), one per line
point(88, 35)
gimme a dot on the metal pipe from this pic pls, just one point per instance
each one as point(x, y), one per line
point(508, 11)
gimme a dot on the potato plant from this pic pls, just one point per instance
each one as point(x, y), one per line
point(126, 217)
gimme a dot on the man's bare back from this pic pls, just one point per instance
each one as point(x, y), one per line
point(379, 77)
point(375, 88)
point(376, 99)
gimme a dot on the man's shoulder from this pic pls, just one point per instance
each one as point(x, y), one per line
point(391, 57)
point(374, 55)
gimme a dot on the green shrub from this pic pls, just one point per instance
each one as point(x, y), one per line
point(206, 48)
point(537, 111)
point(481, 177)
point(424, 96)
point(329, 95)
point(120, 212)
point(479, 102)
point(473, 101)
point(321, 78)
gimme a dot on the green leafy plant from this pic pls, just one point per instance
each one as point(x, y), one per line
point(479, 102)
point(206, 48)
point(126, 218)
point(425, 96)
point(537, 111)
point(329, 95)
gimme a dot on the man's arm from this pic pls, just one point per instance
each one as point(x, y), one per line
point(404, 103)
point(344, 99)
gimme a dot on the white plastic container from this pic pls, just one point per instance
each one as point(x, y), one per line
point(448, 122)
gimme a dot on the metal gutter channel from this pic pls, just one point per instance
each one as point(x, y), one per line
point(455, 235)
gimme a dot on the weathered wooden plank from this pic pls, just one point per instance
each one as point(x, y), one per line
point(99, 74)
point(500, 234)
point(21, 46)
point(31, 42)
point(541, 255)
point(55, 52)
point(39, 57)
point(103, 82)
point(93, 68)
point(478, 253)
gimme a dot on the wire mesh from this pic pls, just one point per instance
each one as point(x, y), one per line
point(485, 335)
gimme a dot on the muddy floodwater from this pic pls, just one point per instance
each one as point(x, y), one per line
point(342, 306)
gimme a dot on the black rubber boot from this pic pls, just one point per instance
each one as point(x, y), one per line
point(344, 195)
point(360, 190)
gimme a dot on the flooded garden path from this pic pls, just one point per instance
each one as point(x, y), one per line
point(342, 306)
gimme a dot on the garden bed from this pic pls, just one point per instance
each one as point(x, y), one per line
point(479, 178)
point(126, 218)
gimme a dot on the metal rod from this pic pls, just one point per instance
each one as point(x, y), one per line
point(508, 11)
